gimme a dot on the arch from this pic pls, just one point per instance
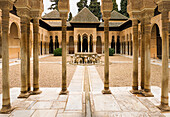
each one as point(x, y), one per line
point(51, 45)
point(118, 45)
point(14, 42)
point(85, 43)
point(56, 42)
point(14, 30)
point(99, 45)
point(71, 45)
point(113, 42)
point(91, 44)
point(79, 43)
point(156, 42)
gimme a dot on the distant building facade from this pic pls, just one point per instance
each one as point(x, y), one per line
point(85, 33)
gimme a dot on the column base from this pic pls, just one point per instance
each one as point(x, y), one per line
point(6, 110)
point(24, 95)
point(64, 92)
point(36, 92)
point(106, 91)
point(164, 107)
point(135, 91)
point(147, 94)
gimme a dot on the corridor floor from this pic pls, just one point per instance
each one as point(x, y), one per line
point(121, 103)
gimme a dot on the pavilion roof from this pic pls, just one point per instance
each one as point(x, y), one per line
point(112, 24)
point(85, 16)
point(52, 15)
point(117, 16)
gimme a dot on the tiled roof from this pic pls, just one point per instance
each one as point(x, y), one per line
point(85, 16)
point(117, 16)
point(52, 15)
point(112, 24)
point(57, 24)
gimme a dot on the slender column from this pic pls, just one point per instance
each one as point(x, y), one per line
point(6, 105)
point(0, 40)
point(24, 88)
point(36, 89)
point(142, 54)
point(94, 46)
point(116, 44)
point(106, 68)
point(81, 44)
point(88, 44)
point(123, 47)
point(147, 83)
point(64, 59)
point(126, 46)
point(135, 56)
point(28, 55)
point(164, 106)
point(120, 48)
point(130, 47)
point(75, 47)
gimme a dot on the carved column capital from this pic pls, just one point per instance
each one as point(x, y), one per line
point(36, 14)
point(23, 12)
point(6, 4)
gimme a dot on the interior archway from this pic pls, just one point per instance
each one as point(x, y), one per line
point(113, 42)
point(156, 42)
point(118, 45)
point(14, 41)
point(51, 45)
point(85, 43)
point(56, 42)
point(79, 44)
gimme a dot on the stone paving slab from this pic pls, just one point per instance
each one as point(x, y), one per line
point(121, 103)
point(45, 113)
point(74, 103)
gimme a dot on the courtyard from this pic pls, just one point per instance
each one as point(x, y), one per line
point(50, 71)
point(85, 83)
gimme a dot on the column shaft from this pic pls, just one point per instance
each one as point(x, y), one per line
point(28, 55)
point(126, 47)
point(135, 56)
point(142, 55)
point(75, 47)
point(24, 87)
point(6, 105)
point(81, 44)
point(130, 47)
point(165, 72)
point(120, 48)
point(94, 46)
point(106, 68)
point(116, 44)
point(147, 82)
point(64, 58)
point(35, 56)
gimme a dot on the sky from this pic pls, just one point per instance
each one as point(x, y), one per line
point(73, 6)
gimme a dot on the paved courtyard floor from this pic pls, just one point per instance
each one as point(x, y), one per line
point(85, 84)
point(121, 103)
